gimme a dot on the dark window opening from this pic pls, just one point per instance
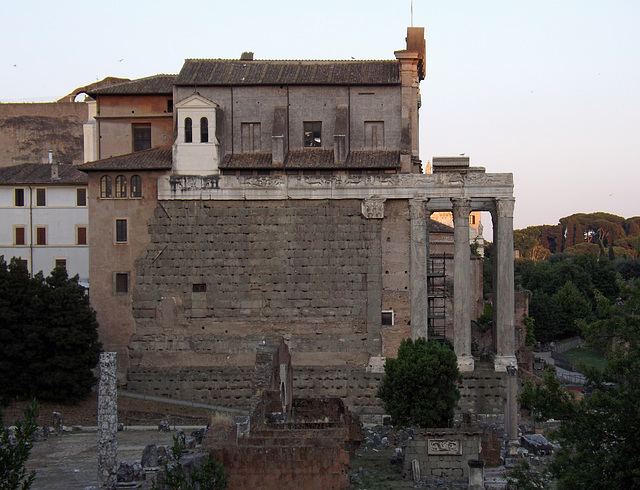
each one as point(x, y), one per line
point(136, 186)
point(105, 186)
point(312, 134)
point(41, 236)
point(204, 130)
point(387, 318)
point(41, 197)
point(170, 105)
point(121, 281)
point(188, 130)
point(19, 197)
point(121, 231)
point(81, 196)
point(62, 263)
point(141, 137)
point(20, 236)
point(199, 288)
point(81, 238)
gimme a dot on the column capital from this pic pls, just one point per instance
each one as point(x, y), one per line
point(504, 207)
point(373, 208)
point(418, 208)
point(461, 207)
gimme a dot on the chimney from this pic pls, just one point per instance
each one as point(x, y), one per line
point(247, 56)
point(54, 167)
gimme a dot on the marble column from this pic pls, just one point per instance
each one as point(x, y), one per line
point(503, 297)
point(462, 284)
point(107, 422)
point(419, 260)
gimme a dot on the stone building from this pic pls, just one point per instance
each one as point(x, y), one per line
point(291, 203)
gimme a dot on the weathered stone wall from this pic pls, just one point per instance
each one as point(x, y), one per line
point(483, 391)
point(29, 131)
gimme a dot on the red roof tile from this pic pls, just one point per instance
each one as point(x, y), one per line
point(153, 159)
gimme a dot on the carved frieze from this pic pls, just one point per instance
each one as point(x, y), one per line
point(439, 447)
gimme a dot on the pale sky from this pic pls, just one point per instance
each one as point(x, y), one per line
point(546, 89)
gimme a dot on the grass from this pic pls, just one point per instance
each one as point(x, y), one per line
point(586, 357)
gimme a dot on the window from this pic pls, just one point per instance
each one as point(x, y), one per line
point(121, 231)
point(20, 238)
point(472, 219)
point(373, 135)
point(188, 130)
point(199, 288)
point(105, 186)
point(121, 186)
point(204, 130)
point(136, 186)
point(141, 136)
point(169, 105)
point(62, 263)
point(81, 235)
point(250, 133)
point(121, 282)
point(23, 262)
point(387, 318)
point(81, 196)
point(312, 134)
point(41, 197)
point(41, 235)
point(18, 198)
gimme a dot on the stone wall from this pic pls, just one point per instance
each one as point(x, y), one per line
point(28, 131)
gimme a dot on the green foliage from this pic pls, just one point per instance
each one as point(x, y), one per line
point(547, 399)
point(530, 338)
point(523, 477)
point(209, 476)
point(14, 454)
point(48, 335)
point(486, 319)
point(600, 438)
point(420, 387)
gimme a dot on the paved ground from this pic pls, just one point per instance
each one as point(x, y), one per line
point(69, 461)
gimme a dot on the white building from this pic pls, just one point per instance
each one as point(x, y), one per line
point(44, 216)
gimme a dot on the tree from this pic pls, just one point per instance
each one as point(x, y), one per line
point(14, 451)
point(600, 435)
point(48, 335)
point(420, 387)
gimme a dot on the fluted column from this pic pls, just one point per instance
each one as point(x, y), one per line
point(503, 284)
point(419, 258)
point(462, 284)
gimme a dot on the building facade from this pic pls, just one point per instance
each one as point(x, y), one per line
point(291, 203)
point(45, 219)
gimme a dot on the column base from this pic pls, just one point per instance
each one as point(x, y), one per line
point(500, 363)
point(466, 364)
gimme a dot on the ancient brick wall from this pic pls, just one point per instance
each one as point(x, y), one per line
point(29, 131)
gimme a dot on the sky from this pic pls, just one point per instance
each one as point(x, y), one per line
point(547, 90)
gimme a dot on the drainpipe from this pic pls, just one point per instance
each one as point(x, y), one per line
point(30, 231)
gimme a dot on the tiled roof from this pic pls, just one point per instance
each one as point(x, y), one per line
point(153, 159)
point(40, 173)
point(437, 227)
point(288, 72)
point(311, 158)
point(374, 159)
point(255, 160)
point(156, 84)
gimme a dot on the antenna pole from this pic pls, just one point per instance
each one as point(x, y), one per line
point(411, 13)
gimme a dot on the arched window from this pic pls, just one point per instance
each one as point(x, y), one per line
point(105, 186)
point(136, 186)
point(204, 130)
point(188, 130)
point(121, 186)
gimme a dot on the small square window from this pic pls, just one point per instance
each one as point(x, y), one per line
point(20, 238)
point(41, 235)
point(199, 288)
point(387, 318)
point(62, 263)
point(121, 283)
point(19, 197)
point(81, 235)
point(121, 231)
point(81, 196)
point(313, 134)
point(41, 197)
